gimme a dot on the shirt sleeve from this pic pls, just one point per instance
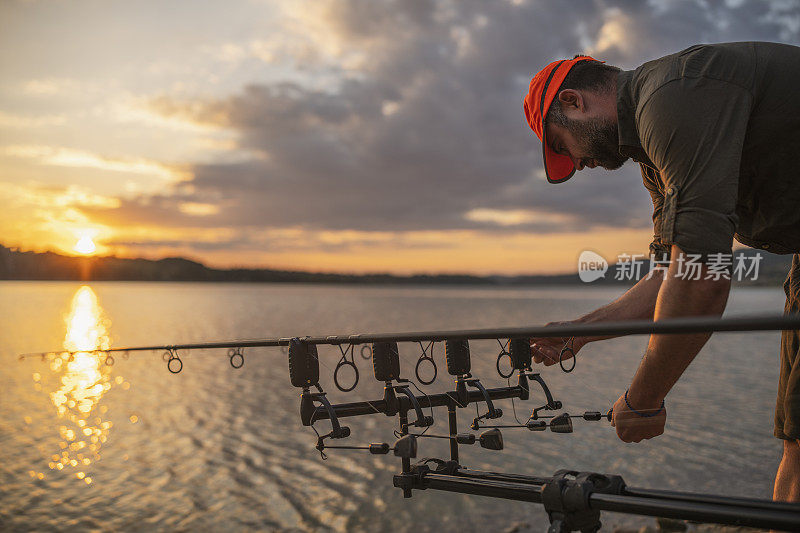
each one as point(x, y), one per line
point(651, 180)
point(693, 130)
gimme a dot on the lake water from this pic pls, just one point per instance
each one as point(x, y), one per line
point(85, 445)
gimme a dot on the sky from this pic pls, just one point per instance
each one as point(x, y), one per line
point(328, 135)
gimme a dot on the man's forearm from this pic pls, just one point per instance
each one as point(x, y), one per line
point(668, 356)
point(638, 303)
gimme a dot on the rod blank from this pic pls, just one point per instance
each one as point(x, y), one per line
point(629, 327)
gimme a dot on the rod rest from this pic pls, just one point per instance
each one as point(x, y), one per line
point(393, 403)
point(552, 404)
point(462, 396)
point(309, 412)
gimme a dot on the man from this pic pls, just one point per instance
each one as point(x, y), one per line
point(716, 131)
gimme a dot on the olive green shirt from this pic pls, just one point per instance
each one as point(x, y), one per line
point(716, 130)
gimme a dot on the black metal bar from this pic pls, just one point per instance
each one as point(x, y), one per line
point(668, 504)
point(501, 476)
point(639, 492)
point(482, 487)
point(786, 518)
point(631, 327)
point(442, 399)
point(704, 498)
point(452, 424)
point(406, 462)
point(344, 410)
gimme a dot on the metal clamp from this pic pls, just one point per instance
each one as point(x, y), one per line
point(566, 499)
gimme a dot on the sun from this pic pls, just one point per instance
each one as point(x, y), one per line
point(85, 245)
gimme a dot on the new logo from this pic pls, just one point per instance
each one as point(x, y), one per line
point(591, 266)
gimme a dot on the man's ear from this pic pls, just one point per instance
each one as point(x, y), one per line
point(571, 98)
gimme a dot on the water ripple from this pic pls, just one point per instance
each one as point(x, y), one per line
point(215, 449)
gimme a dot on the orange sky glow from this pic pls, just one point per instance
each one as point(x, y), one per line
point(307, 136)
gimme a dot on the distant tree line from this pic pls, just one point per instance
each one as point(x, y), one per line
point(21, 265)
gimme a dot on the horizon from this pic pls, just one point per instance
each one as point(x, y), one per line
point(576, 271)
point(76, 255)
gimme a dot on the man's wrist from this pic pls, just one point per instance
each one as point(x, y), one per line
point(646, 412)
point(644, 398)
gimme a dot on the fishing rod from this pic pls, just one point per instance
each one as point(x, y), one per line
point(573, 500)
point(347, 359)
point(629, 327)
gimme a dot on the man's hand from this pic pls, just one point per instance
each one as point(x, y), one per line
point(634, 428)
point(548, 349)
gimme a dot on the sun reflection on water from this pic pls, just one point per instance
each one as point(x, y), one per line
point(85, 376)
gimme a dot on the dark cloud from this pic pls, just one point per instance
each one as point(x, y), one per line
point(431, 125)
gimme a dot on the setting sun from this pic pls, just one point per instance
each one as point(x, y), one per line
point(85, 245)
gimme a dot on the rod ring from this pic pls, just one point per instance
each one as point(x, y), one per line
point(500, 358)
point(341, 364)
point(109, 360)
point(237, 357)
point(564, 350)
point(368, 354)
point(422, 358)
point(173, 368)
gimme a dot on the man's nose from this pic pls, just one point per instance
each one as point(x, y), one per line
point(577, 162)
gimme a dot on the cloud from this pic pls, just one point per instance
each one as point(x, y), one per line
point(65, 157)
point(49, 86)
point(421, 127)
point(11, 120)
point(33, 195)
point(198, 209)
point(514, 217)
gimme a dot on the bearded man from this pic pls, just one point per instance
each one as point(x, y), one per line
point(715, 130)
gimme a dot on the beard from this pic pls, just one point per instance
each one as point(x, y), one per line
point(599, 140)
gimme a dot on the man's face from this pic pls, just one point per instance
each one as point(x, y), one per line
point(589, 142)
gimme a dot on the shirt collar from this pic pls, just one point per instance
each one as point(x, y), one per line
point(627, 102)
point(626, 113)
